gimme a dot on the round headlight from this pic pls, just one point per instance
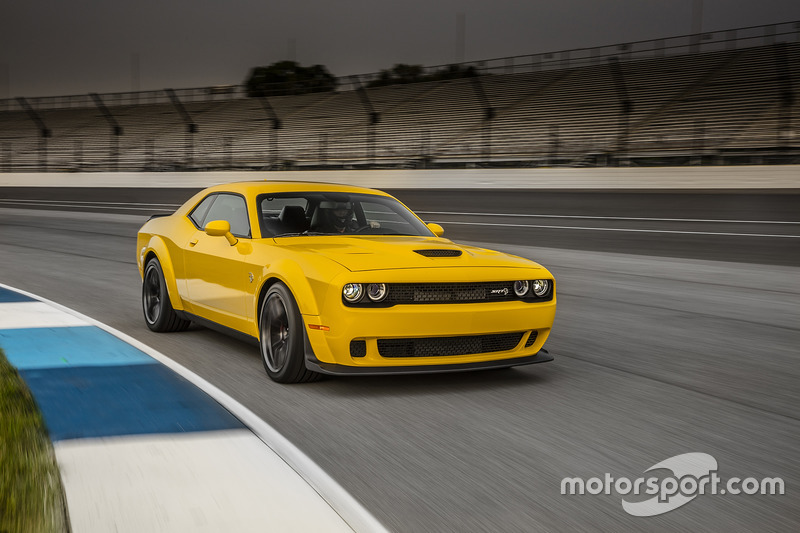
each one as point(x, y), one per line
point(521, 288)
point(376, 291)
point(352, 292)
point(540, 287)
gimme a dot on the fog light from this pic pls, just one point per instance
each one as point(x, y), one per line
point(376, 291)
point(540, 287)
point(521, 288)
point(352, 292)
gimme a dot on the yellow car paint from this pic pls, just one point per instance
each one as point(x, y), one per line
point(209, 277)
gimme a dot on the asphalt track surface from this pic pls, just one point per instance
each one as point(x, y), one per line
point(659, 352)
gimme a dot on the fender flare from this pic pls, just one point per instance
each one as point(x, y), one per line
point(156, 246)
point(290, 274)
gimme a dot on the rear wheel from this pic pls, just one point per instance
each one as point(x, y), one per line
point(281, 337)
point(158, 312)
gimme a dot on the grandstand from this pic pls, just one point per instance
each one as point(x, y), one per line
point(716, 98)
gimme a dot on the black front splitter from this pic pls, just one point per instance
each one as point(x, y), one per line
point(542, 356)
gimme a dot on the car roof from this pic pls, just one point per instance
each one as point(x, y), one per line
point(266, 186)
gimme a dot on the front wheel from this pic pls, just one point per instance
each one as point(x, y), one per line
point(281, 337)
point(158, 312)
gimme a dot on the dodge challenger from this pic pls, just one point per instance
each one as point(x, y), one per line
point(334, 279)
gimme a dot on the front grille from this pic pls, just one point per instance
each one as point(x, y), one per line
point(412, 293)
point(441, 346)
point(432, 252)
point(358, 348)
point(531, 339)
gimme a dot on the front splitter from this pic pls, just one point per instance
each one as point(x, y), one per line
point(542, 356)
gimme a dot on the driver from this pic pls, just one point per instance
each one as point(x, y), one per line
point(341, 218)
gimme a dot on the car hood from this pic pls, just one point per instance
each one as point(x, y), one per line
point(364, 253)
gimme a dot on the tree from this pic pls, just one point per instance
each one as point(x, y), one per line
point(402, 73)
point(289, 77)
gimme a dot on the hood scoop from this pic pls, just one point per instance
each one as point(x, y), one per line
point(434, 252)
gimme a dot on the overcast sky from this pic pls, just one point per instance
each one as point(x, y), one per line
point(57, 47)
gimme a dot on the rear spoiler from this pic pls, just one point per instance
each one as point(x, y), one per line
point(158, 216)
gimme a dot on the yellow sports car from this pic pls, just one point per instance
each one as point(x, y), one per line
point(332, 279)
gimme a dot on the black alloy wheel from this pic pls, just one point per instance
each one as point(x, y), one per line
point(281, 337)
point(159, 314)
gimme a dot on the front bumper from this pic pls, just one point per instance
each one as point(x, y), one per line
point(330, 332)
point(434, 321)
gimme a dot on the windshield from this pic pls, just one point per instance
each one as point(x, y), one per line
point(335, 213)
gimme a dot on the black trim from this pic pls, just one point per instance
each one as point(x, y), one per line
point(244, 337)
point(508, 296)
point(358, 348)
point(439, 252)
point(532, 338)
point(342, 370)
point(422, 347)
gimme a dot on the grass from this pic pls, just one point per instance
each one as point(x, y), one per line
point(31, 496)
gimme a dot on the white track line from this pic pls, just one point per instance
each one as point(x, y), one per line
point(81, 202)
point(337, 497)
point(586, 217)
point(583, 228)
point(86, 206)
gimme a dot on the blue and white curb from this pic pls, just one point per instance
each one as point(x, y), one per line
point(143, 444)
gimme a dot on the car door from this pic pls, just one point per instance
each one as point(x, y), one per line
point(216, 277)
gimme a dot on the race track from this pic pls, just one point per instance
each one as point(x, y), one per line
point(658, 352)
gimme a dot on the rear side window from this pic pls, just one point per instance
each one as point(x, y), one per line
point(221, 206)
point(232, 208)
point(198, 214)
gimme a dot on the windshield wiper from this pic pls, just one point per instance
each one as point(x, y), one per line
point(303, 234)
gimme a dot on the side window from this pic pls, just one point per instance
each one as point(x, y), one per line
point(232, 208)
point(198, 214)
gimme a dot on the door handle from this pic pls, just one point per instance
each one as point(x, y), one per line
point(193, 242)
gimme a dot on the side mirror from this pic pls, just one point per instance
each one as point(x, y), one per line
point(436, 229)
point(221, 228)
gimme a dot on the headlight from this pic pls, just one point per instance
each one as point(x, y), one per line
point(352, 292)
point(521, 288)
point(376, 291)
point(540, 287)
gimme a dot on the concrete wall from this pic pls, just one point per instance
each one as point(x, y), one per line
point(738, 177)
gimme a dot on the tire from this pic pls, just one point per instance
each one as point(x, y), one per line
point(158, 312)
point(281, 331)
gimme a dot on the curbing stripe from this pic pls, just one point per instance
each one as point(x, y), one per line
point(19, 315)
point(68, 347)
point(352, 512)
point(91, 402)
point(10, 296)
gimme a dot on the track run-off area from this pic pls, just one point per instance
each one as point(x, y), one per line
point(677, 331)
